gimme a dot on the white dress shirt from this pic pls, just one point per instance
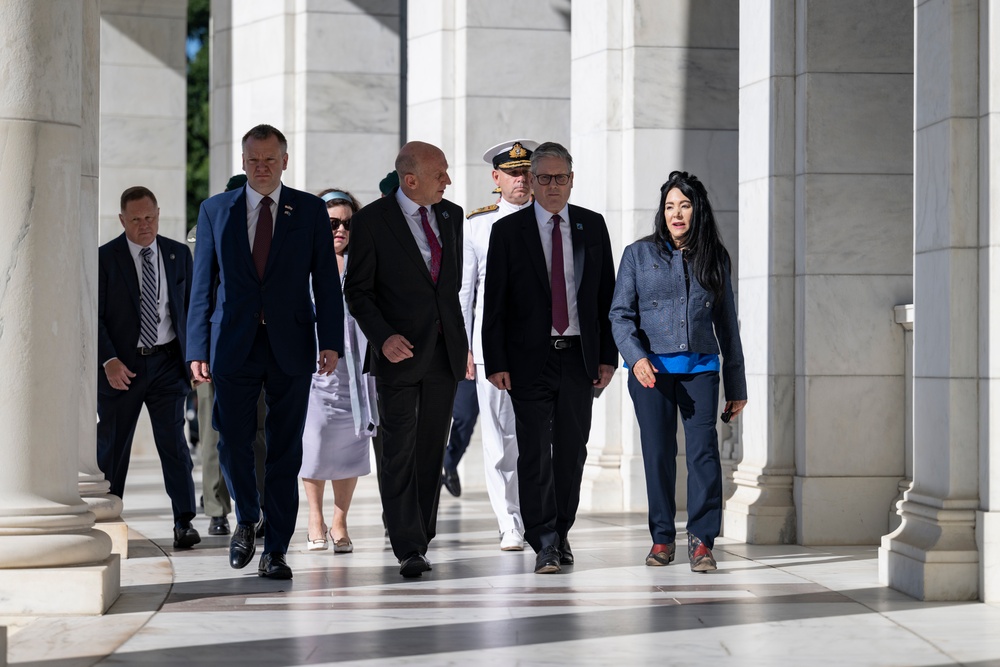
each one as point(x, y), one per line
point(254, 200)
point(476, 245)
point(411, 212)
point(165, 330)
point(544, 219)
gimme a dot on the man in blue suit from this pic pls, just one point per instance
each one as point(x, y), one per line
point(260, 247)
point(144, 281)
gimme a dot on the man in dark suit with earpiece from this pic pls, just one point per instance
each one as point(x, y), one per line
point(144, 281)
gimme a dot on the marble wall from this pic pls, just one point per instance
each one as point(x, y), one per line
point(331, 85)
point(481, 72)
point(143, 109)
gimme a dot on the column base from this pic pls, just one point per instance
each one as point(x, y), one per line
point(117, 530)
point(77, 590)
point(933, 554)
point(761, 511)
point(601, 490)
point(988, 541)
point(856, 516)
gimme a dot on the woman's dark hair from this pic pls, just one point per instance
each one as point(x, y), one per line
point(703, 246)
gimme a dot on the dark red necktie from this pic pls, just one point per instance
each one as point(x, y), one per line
point(262, 236)
point(433, 242)
point(560, 311)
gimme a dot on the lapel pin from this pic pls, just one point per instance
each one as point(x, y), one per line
point(444, 214)
point(171, 255)
point(579, 226)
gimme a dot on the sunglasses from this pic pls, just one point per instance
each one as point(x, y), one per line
point(336, 222)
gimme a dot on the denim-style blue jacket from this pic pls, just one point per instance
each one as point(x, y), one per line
point(654, 312)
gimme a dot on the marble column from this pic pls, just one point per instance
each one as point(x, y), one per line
point(331, 86)
point(761, 509)
point(988, 518)
point(482, 72)
point(52, 561)
point(143, 107)
point(94, 489)
point(933, 555)
point(825, 159)
point(654, 90)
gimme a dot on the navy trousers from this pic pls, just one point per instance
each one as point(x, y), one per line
point(463, 421)
point(697, 398)
point(235, 418)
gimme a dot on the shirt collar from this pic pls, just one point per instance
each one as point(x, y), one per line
point(410, 208)
point(135, 249)
point(543, 216)
point(254, 198)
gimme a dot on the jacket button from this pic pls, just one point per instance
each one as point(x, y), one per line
point(682, 299)
point(656, 266)
point(708, 304)
point(256, 316)
point(682, 324)
point(654, 303)
point(683, 346)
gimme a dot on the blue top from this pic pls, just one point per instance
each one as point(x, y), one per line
point(683, 363)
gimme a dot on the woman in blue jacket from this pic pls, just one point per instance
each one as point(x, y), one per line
point(673, 313)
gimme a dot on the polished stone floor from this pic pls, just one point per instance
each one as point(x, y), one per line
point(767, 605)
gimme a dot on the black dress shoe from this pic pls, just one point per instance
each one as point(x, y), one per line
point(218, 525)
point(450, 480)
point(547, 561)
point(565, 552)
point(242, 547)
point(273, 566)
point(185, 536)
point(413, 566)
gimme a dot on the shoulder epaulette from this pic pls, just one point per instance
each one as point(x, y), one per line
point(485, 209)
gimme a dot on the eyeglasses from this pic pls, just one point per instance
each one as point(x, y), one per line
point(545, 179)
point(337, 222)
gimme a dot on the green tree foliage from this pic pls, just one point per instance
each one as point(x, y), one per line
point(197, 108)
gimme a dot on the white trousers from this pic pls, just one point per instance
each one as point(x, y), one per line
point(496, 423)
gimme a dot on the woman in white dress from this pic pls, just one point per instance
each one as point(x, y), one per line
point(342, 413)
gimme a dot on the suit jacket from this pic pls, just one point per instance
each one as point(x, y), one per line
point(389, 290)
point(222, 326)
point(517, 320)
point(118, 302)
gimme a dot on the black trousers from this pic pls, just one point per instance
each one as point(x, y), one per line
point(162, 387)
point(552, 420)
point(414, 420)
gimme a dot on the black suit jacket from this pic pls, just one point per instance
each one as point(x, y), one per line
point(389, 289)
point(118, 302)
point(517, 298)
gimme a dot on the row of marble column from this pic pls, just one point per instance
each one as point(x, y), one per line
point(52, 559)
point(838, 210)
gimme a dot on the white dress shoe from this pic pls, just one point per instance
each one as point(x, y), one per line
point(512, 541)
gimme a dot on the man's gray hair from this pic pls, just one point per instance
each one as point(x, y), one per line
point(550, 149)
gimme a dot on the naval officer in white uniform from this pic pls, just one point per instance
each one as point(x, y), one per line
point(511, 162)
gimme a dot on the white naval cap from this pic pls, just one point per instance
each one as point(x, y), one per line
point(512, 154)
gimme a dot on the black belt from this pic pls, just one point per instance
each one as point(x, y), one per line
point(156, 349)
point(564, 342)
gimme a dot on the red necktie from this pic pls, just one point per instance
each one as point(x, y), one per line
point(560, 311)
point(262, 236)
point(433, 242)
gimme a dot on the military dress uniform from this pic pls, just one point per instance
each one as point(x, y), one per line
point(496, 410)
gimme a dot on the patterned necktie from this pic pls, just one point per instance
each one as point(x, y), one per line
point(262, 236)
point(149, 317)
point(433, 242)
point(560, 311)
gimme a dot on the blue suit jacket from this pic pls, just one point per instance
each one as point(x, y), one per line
point(227, 296)
point(118, 302)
